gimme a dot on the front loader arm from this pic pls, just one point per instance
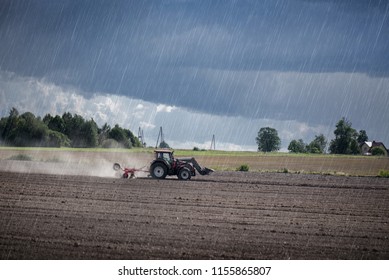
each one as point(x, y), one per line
point(202, 171)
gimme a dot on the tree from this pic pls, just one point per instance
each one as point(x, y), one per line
point(318, 145)
point(164, 145)
point(89, 134)
point(72, 127)
point(10, 125)
point(134, 140)
point(297, 146)
point(56, 123)
point(117, 133)
point(83, 134)
point(104, 134)
point(362, 137)
point(30, 131)
point(268, 140)
point(57, 139)
point(68, 130)
point(345, 141)
point(3, 123)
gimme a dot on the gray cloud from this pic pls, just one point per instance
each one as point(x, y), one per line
point(182, 128)
point(304, 61)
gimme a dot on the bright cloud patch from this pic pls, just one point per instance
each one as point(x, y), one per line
point(165, 108)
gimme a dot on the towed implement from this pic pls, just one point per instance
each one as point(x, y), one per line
point(165, 164)
point(127, 172)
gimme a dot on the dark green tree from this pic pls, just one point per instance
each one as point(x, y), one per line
point(47, 118)
point(268, 140)
point(103, 133)
point(68, 130)
point(30, 131)
point(56, 123)
point(318, 145)
point(164, 145)
point(89, 135)
point(8, 132)
point(362, 137)
point(134, 140)
point(345, 141)
point(57, 139)
point(3, 123)
point(376, 151)
point(297, 146)
point(119, 134)
point(81, 133)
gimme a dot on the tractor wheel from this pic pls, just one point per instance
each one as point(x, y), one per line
point(184, 174)
point(116, 166)
point(158, 170)
point(125, 175)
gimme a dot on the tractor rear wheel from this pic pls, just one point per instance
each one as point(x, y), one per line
point(158, 170)
point(184, 174)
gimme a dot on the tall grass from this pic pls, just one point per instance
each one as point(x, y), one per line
point(384, 173)
point(21, 157)
point(243, 167)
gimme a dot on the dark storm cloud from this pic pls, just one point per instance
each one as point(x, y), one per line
point(207, 55)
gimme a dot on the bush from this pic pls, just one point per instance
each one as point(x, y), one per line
point(243, 167)
point(196, 149)
point(377, 152)
point(384, 173)
point(284, 170)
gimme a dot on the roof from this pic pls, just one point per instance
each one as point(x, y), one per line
point(163, 151)
point(376, 144)
point(368, 143)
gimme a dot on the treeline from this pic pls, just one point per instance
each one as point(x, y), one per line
point(347, 141)
point(68, 130)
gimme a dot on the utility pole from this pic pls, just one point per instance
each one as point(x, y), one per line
point(213, 143)
point(160, 137)
point(141, 137)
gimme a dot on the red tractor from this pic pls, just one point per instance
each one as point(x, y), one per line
point(165, 164)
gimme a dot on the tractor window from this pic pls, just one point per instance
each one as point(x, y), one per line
point(166, 157)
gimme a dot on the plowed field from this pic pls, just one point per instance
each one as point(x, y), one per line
point(227, 215)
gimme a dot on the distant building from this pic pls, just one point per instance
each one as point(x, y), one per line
point(367, 147)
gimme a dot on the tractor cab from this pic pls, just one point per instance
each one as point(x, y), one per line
point(165, 155)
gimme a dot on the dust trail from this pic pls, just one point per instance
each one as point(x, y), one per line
point(75, 163)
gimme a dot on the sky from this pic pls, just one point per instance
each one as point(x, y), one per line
point(201, 68)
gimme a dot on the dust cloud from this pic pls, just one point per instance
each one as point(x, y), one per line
point(98, 164)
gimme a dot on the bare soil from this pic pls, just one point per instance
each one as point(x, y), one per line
point(227, 215)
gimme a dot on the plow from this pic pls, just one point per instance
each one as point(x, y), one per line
point(164, 165)
point(128, 172)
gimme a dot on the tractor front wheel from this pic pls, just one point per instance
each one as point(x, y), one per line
point(158, 170)
point(184, 174)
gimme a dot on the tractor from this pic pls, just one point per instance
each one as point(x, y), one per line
point(165, 164)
